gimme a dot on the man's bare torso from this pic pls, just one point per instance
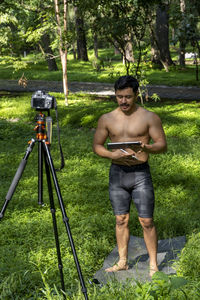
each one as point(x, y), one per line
point(126, 128)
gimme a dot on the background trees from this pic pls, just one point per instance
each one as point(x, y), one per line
point(131, 27)
point(160, 36)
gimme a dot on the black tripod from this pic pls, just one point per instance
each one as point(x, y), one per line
point(44, 153)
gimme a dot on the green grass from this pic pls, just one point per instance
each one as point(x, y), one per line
point(28, 261)
point(111, 69)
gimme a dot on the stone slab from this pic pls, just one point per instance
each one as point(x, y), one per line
point(138, 260)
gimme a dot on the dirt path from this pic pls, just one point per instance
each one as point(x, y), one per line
point(164, 92)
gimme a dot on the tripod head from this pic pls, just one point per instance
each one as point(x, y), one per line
point(44, 127)
point(42, 101)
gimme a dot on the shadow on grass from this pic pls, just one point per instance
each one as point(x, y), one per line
point(86, 176)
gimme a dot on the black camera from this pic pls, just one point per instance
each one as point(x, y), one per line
point(42, 101)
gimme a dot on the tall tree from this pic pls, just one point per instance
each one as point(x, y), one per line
point(80, 33)
point(160, 36)
point(62, 33)
point(184, 19)
point(24, 27)
point(11, 39)
point(95, 38)
point(48, 53)
point(155, 54)
point(182, 37)
point(124, 24)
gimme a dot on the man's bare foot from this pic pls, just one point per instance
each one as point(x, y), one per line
point(152, 270)
point(120, 266)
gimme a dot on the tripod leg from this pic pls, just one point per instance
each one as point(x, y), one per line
point(17, 177)
point(65, 218)
point(40, 173)
point(53, 212)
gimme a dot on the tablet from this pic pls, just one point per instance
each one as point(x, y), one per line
point(123, 145)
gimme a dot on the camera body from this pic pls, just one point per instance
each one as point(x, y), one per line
point(42, 101)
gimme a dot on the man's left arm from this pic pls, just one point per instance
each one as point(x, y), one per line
point(157, 134)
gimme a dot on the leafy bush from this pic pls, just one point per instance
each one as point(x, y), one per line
point(189, 262)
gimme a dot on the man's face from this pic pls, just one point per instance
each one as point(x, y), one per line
point(126, 99)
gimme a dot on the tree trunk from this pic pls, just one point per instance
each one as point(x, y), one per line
point(129, 52)
point(129, 48)
point(96, 45)
point(116, 51)
point(162, 35)
point(14, 51)
point(155, 54)
point(63, 55)
point(51, 62)
point(74, 51)
point(81, 39)
point(182, 40)
point(62, 32)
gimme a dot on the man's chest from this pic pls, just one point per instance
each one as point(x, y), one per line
point(127, 129)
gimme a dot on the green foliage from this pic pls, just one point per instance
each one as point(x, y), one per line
point(97, 64)
point(163, 285)
point(36, 69)
point(12, 22)
point(155, 97)
point(28, 260)
point(189, 263)
point(23, 25)
point(184, 23)
point(14, 63)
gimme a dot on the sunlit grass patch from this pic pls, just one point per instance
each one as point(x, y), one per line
point(109, 69)
point(27, 242)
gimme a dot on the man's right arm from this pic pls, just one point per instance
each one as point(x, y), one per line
point(100, 137)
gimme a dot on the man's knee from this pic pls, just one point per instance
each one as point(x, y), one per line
point(122, 220)
point(146, 223)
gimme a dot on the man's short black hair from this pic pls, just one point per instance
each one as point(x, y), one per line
point(126, 82)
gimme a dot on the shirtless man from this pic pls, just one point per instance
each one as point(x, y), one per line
point(130, 177)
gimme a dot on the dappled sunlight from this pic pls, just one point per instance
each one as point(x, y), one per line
point(28, 245)
point(179, 119)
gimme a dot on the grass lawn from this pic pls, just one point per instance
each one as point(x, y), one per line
point(28, 261)
point(111, 68)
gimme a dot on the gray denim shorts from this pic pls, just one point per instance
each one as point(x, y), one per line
point(128, 183)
